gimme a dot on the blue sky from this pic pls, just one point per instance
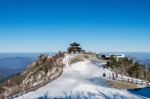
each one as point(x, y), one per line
point(51, 25)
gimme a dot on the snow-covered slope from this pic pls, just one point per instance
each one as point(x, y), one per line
point(80, 80)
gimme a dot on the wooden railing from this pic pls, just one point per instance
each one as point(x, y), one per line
point(130, 80)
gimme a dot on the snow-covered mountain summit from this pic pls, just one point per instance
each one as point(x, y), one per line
point(81, 79)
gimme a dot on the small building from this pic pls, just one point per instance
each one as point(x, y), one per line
point(103, 56)
point(107, 57)
point(75, 48)
point(117, 55)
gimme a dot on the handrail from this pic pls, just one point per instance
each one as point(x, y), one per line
point(131, 80)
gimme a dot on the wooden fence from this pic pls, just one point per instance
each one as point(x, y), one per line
point(129, 80)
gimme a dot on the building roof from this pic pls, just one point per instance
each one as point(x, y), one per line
point(74, 44)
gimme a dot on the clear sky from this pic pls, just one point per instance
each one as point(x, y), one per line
point(51, 25)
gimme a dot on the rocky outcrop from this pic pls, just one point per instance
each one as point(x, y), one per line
point(43, 70)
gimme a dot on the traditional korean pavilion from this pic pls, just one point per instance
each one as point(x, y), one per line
point(75, 48)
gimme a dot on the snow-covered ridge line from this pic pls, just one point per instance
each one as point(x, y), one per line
point(81, 79)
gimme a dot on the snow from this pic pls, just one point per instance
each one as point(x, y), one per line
point(67, 59)
point(84, 79)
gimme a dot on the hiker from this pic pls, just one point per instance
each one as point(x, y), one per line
point(104, 75)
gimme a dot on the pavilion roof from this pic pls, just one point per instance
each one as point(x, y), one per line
point(74, 44)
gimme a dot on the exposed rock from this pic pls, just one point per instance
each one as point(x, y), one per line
point(44, 69)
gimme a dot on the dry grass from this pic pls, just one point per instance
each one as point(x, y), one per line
point(77, 58)
point(122, 85)
point(91, 55)
point(82, 57)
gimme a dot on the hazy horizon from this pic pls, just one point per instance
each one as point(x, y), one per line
point(44, 52)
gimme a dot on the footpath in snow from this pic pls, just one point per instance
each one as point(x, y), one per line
point(81, 79)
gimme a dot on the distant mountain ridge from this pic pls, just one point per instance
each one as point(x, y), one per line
point(147, 61)
point(15, 62)
point(13, 65)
